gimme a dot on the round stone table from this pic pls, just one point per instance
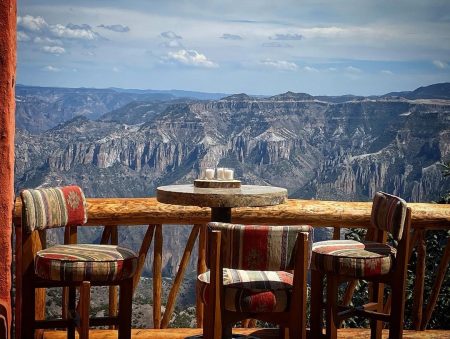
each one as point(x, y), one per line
point(221, 200)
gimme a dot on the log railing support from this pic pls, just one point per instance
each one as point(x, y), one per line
point(443, 265)
point(419, 284)
point(179, 276)
point(157, 276)
point(201, 268)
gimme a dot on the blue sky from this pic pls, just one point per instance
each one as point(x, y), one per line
point(321, 47)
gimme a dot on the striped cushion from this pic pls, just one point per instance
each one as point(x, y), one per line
point(389, 214)
point(259, 247)
point(251, 291)
point(352, 258)
point(53, 207)
point(88, 262)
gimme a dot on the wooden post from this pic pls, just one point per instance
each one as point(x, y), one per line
point(157, 277)
point(179, 276)
point(7, 130)
point(436, 286)
point(113, 289)
point(201, 268)
point(419, 284)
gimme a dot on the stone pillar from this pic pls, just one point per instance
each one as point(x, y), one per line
point(7, 127)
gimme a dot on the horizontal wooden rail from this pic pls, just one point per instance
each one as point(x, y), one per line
point(144, 211)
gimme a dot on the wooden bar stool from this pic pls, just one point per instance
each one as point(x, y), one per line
point(73, 266)
point(248, 277)
point(374, 261)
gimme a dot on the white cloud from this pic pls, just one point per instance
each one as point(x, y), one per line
point(332, 69)
point(115, 69)
point(228, 36)
point(310, 69)
point(440, 64)
point(50, 68)
point(190, 58)
point(31, 23)
point(73, 32)
point(287, 36)
point(170, 35)
point(38, 28)
point(47, 41)
point(276, 44)
point(53, 49)
point(386, 71)
point(23, 37)
point(116, 28)
point(172, 44)
point(352, 69)
point(279, 64)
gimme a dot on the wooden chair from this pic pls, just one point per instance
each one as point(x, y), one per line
point(374, 261)
point(73, 266)
point(249, 277)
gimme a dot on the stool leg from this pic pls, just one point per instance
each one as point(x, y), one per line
point(71, 313)
point(316, 303)
point(331, 306)
point(85, 301)
point(376, 327)
point(125, 308)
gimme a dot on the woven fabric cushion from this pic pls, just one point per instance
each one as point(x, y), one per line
point(251, 291)
point(260, 247)
point(85, 262)
point(389, 214)
point(352, 258)
point(53, 207)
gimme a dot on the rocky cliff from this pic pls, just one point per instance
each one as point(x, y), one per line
point(317, 148)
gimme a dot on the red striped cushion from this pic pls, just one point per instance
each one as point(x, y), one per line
point(389, 214)
point(88, 262)
point(252, 291)
point(260, 247)
point(53, 207)
point(352, 258)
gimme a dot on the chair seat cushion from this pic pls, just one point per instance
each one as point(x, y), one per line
point(352, 258)
point(251, 291)
point(85, 262)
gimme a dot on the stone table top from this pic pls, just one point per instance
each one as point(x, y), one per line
point(245, 196)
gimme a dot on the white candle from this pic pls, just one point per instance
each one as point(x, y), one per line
point(209, 173)
point(228, 174)
point(220, 173)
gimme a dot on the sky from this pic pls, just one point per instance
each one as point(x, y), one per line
point(265, 47)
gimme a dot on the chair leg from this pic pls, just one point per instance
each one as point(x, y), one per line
point(227, 331)
point(397, 310)
point(376, 327)
point(331, 306)
point(85, 301)
point(125, 308)
point(316, 303)
point(28, 308)
point(71, 312)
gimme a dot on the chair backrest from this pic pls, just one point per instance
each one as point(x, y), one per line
point(53, 207)
point(389, 214)
point(260, 247)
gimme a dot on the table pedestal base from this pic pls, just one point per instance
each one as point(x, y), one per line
point(221, 214)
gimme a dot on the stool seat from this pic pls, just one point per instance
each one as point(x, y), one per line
point(85, 262)
point(251, 291)
point(353, 258)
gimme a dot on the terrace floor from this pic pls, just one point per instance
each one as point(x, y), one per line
point(193, 333)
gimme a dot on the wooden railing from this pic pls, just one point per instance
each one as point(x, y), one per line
point(111, 212)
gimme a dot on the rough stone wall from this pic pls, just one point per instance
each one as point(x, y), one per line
point(7, 105)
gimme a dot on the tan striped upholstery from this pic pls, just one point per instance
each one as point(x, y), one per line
point(352, 258)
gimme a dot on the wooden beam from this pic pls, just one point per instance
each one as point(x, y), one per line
point(139, 211)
